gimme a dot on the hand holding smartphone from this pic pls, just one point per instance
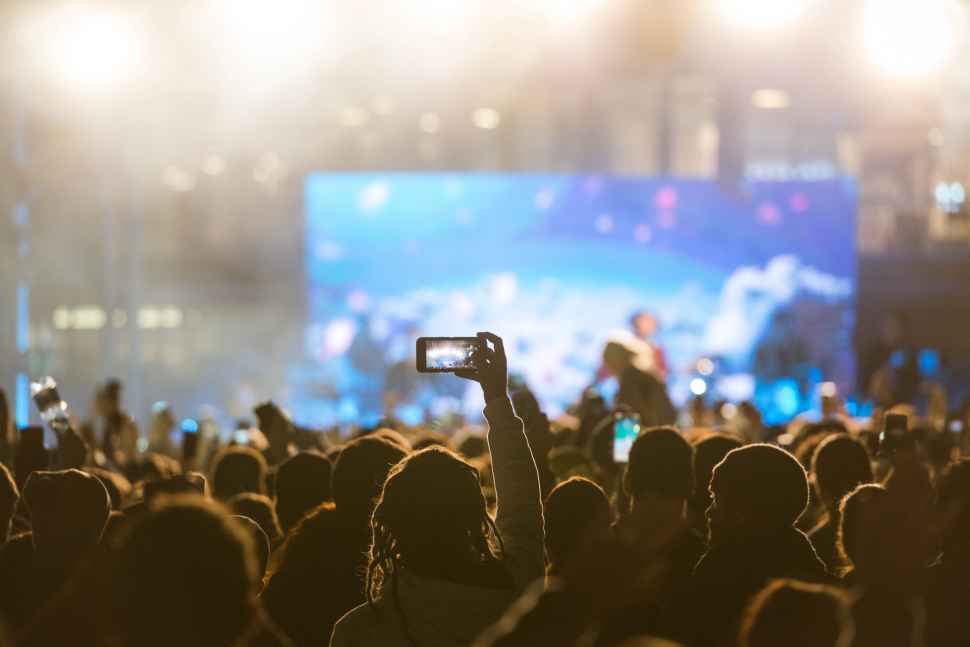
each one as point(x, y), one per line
point(49, 403)
point(448, 354)
point(190, 441)
point(626, 428)
point(895, 435)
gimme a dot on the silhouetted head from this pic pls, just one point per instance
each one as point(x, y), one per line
point(118, 487)
point(188, 483)
point(756, 489)
point(185, 575)
point(854, 509)
point(236, 470)
point(302, 483)
point(953, 506)
point(359, 473)
point(9, 497)
point(68, 513)
point(301, 553)
point(425, 439)
point(838, 466)
point(431, 517)
point(797, 614)
point(471, 444)
point(660, 465)
point(303, 571)
point(708, 452)
point(259, 508)
point(394, 436)
point(153, 467)
point(576, 512)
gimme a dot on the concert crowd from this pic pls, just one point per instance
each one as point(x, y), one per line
point(707, 529)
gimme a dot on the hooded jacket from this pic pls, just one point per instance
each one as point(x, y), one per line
point(732, 572)
point(439, 613)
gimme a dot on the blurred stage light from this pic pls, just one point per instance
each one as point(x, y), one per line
point(213, 165)
point(353, 117)
point(88, 47)
point(383, 106)
point(272, 32)
point(429, 123)
point(486, 118)
point(567, 12)
point(428, 24)
point(705, 366)
point(178, 179)
point(770, 99)
point(761, 13)
point(950, 197)
point(909, 39)
point(698, 386)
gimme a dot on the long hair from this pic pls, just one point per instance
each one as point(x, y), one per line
point(431, 518)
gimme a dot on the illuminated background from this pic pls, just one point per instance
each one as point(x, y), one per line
point(762, 285)
point(155, 157)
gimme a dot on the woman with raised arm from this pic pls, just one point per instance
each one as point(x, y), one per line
point(440, 569)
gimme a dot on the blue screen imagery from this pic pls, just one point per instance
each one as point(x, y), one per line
point(753, 293)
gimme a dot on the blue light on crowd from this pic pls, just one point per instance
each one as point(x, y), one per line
point(410, 414)
point(347, 411)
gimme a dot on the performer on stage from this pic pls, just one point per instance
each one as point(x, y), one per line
point(645, 326)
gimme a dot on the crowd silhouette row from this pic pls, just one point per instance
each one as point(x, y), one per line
point(527, 533)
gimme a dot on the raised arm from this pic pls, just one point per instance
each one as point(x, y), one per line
point(519, 516)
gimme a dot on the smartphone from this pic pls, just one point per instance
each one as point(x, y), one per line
point(190, 440)
point(49, 403)
point(626, 428)
point(448, 354)
point(895, 434)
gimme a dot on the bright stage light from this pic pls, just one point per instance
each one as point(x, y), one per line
point(487, 118)
point(567, 12)
point(273, 32)
point(88, 47)
point(907, 38)
point(698, 386)
point(761, 13)
point(770, 99)
point(437, 15)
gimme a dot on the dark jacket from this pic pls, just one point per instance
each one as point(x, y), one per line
point(947, 620)
point(307, 602)
point(733, 571)
point(660, 610)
